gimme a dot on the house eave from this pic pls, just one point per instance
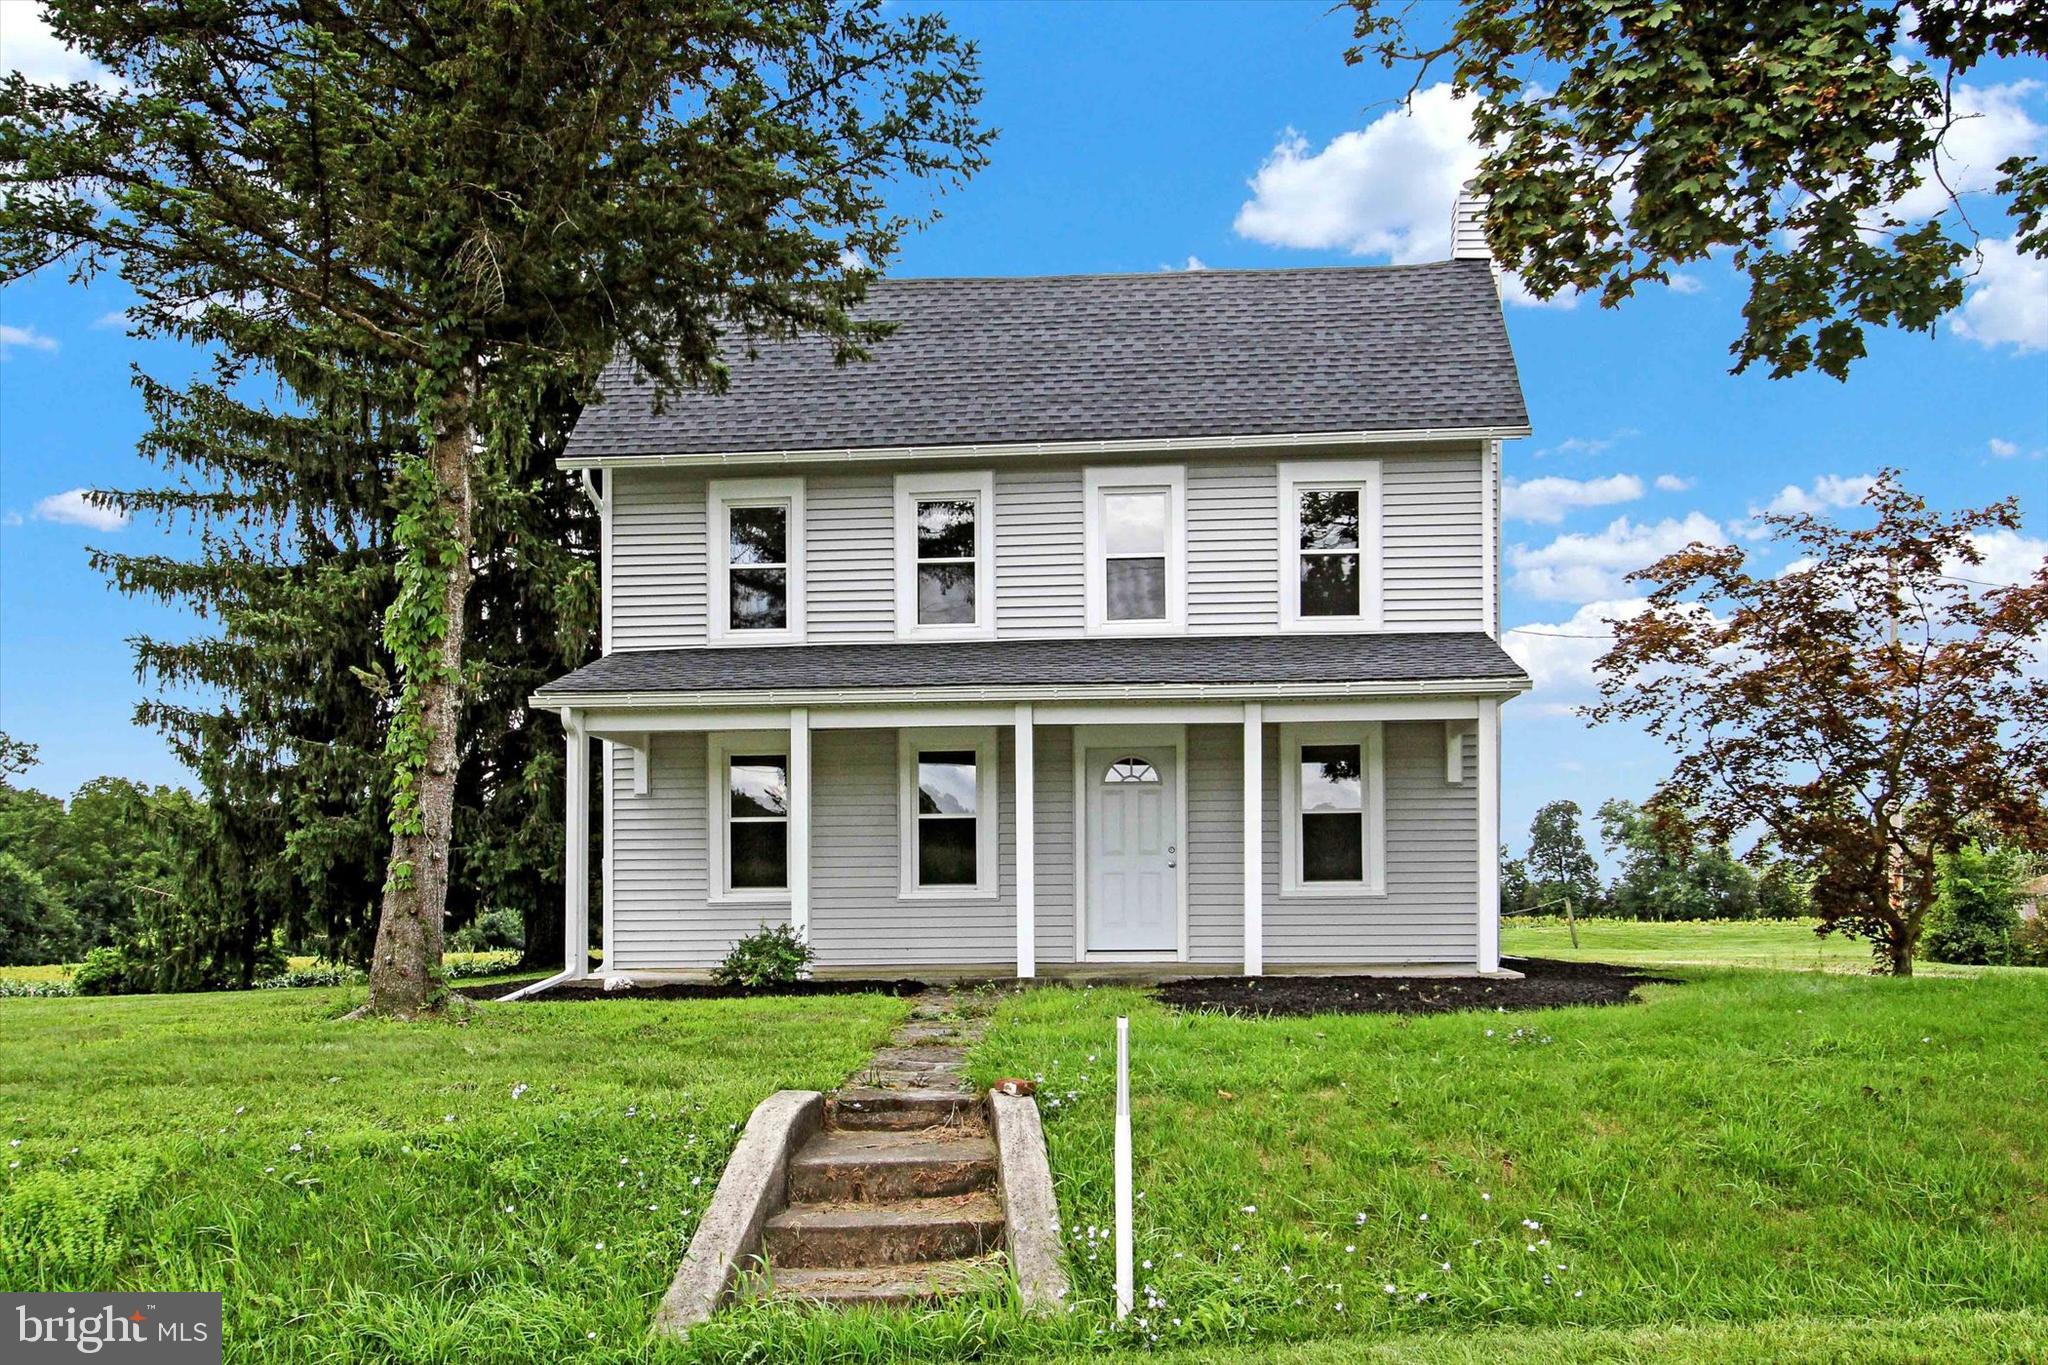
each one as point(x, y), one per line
point(1030, 692)
point(1005, 450)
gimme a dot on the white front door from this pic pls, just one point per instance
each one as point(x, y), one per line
point(1133, 850)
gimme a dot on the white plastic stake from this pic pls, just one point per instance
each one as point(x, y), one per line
point(1123, 1167)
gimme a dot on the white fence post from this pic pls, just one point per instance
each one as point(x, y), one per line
point(1123, 1167)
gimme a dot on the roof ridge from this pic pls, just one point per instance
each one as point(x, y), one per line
point(1173, 273)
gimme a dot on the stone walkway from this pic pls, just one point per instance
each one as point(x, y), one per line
point(894, 1201)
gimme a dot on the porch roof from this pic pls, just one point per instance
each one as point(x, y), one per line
point(1195, 661)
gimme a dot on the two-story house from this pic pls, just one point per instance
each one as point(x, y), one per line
point(1141, 621)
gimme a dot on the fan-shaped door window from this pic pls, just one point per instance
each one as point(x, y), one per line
point(1130, 769)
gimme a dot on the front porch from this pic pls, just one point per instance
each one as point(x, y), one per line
point(1107, 837)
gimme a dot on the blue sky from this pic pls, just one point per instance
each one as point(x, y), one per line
point(1148, 136)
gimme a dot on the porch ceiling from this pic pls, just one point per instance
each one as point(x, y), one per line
point(1194, 661)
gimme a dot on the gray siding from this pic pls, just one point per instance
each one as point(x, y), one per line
point(1433, 542)
point(1040, 543)
point(663, 917)
point(1433, 507)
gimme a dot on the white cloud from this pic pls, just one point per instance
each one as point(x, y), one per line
point(1588, 445)
point(12, 336)
point(1587, 568)
point(1829, 491)
point(10, 518)
point(1548, 499)
point(2003, 448)
point(72, 508)
point(117, 318)
point(1383, 190)
point(2009, 557)
point(28, 46)
point(1672, 483)
point(1681, 283)
point(1386, 189)
point(2008, 301)
point(1990, 124)
point(1193, 263)
point(1559, 655)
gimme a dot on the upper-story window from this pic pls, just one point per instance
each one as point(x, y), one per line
point(757, 560)
point(1136, 548)
point(1330, 545)
point(945, 555)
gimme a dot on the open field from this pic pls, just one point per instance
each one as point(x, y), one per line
point(1754, 1164)
point(1783, 944)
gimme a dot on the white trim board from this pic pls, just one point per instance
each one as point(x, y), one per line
point(1011, 449)
point(1032, 692)
point(718, 753)
point(1099, 481)
point(720, 497)
point(1295, 476)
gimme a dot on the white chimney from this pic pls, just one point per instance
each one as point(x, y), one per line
point(1468, 227)
point(1468, 231)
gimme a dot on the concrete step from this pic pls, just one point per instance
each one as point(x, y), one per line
point(884, 1286)
point(898, 1232)
point(921, 1058)
point(890, 1164)
point(868, 1107)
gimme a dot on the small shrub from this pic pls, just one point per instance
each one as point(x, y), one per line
point(774, 955)
point(2030, 942)
point(312, 974)
point(1976, 908)
point(111, 971)
point(14, 988)
point(478, 964)
point(491, 931)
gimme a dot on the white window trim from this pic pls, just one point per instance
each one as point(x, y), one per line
point(1098, 481)
point(1363, 475)
point(722, 746)
point(987, 815)
point(1370, 736)
point(721, 496)
point(978, 487)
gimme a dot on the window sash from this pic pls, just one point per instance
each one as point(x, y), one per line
point(734, 821)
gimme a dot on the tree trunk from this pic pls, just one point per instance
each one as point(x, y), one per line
point(405, 966)
point(1898, 952)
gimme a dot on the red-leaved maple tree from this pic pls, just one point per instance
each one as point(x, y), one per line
point(1870, 707)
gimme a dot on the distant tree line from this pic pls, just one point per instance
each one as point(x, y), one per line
point(1981, 914)
point(1660, 873)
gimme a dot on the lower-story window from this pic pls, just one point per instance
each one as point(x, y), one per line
point(750, 808)
point(1333, 809)
point(948, 812)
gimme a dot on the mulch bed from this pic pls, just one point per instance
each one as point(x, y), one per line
point(692, 990)
point(1545, 983)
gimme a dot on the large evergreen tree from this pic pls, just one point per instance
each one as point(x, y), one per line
point(479, 201)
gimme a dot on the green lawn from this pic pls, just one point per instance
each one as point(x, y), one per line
point(1746, 1148)
point(366, 1191)
point(1755, 1164)
point(1784, 944)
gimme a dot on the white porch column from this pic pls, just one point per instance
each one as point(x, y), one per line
point(1027, 843)
point(576, 850)
point(1254, 839)
point(1488, 739)
point(800, 819)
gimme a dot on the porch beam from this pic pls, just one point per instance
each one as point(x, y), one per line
point(1254, 839)
point(576, 850)
point(800, 820)
point(1025, 762)
point(1488, 739)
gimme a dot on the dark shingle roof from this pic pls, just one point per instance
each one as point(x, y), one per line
point(1106, 357)
point(1194, 660)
